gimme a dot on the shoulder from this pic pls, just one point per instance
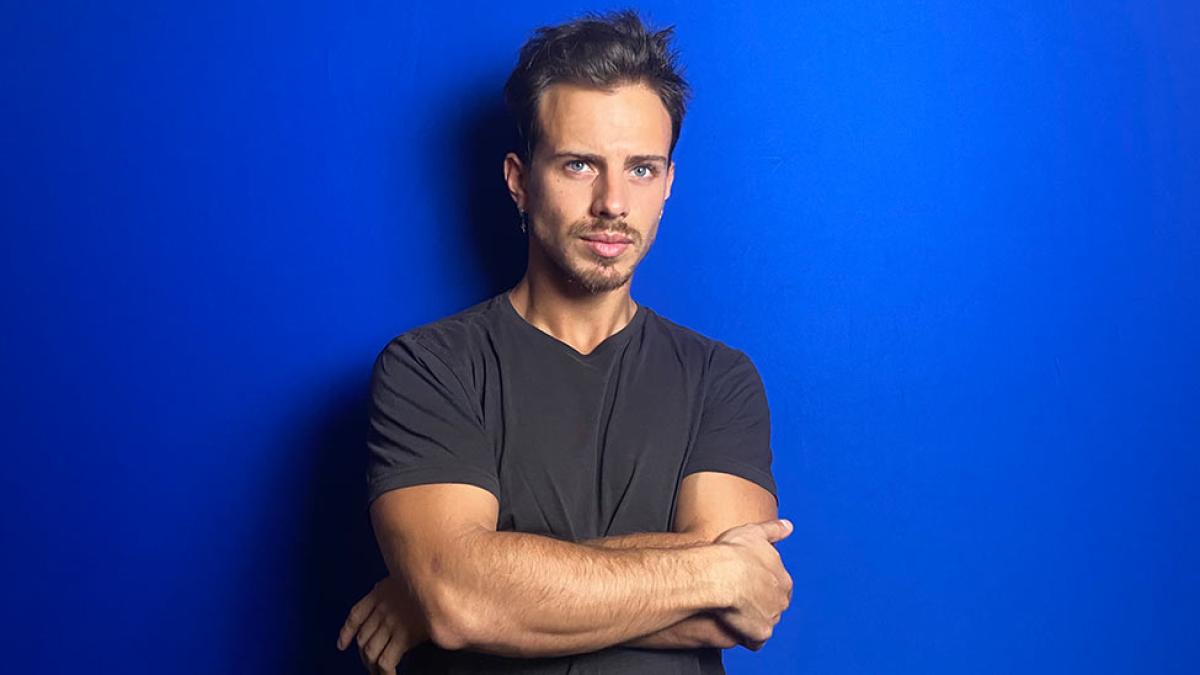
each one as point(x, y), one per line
point(711, 355)
point(449, 340)
point(457, 332)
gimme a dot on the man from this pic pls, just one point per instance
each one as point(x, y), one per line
point(561, 480)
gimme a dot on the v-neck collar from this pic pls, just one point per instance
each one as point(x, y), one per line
point(608, 344)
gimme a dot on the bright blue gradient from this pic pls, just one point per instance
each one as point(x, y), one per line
point(961, 241)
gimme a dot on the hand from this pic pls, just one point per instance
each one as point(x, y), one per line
point(709, 630)
point(764, 588)
point(385, 624)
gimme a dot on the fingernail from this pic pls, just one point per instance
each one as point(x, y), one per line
point(786, 523)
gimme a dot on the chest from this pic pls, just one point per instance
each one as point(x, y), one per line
point(591, 450)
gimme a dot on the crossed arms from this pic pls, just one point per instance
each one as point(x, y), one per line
point(716, 581)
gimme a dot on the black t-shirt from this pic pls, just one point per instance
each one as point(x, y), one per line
point(573, 446)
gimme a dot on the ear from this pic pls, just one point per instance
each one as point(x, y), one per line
point(514, 178)
point(670, 179)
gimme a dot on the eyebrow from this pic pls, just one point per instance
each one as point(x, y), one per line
point(597, 159)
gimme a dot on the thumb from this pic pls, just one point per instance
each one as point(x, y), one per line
point(777, 530)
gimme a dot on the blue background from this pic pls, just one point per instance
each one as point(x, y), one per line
point(960, 242)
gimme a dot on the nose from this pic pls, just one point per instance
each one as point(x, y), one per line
point(611, 199)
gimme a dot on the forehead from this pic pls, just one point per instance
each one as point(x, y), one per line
point(629, 119)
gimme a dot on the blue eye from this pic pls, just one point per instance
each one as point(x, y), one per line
point(571, 165)
point(646, 169)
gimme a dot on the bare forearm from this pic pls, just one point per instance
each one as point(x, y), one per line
point(699, 630)
point(650, 540)
point(696, 631)
point(518, 594)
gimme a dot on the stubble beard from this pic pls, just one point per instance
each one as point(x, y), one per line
point(593, 273)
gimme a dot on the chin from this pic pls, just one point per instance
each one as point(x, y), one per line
point(590, 273)
point(602, 282)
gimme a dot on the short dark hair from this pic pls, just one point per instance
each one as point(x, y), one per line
point(596, 50)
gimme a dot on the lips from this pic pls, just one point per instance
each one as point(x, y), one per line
point(608, 238)
point(607, 244)
point(607, 250)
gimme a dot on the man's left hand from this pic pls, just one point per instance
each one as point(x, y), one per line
point(385, 624)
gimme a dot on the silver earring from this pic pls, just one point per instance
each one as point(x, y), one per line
point(524, 226)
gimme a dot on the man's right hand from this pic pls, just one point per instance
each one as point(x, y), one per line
point(764, 588)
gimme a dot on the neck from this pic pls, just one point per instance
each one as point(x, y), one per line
point(580, 319)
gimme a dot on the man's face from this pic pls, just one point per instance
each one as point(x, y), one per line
point(596, 184)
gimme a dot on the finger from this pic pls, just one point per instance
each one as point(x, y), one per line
point(366, 664)
point(390, 658)
point(377, 664)
point(358, 613)
point(369, 627)
point(346, 634)
point(378, 641)
point(777, 530)
point(376, 668)
point(365, 632)
point(741, 636)
point(363, 641)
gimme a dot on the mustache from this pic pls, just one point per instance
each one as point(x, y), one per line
point(602, 226)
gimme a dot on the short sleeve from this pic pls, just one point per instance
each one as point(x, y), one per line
point(423, 428)
point(735, 422)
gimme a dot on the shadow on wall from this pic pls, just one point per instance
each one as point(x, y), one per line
point(489, 218)
point(341, 560)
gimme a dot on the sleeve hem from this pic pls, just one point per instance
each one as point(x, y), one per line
point(761, 478)
point(430, 475)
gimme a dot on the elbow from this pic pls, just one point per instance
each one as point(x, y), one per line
point(459, 612)
point(452, 618)
point(447, 633)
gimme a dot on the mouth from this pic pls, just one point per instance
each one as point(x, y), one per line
point(607, 245)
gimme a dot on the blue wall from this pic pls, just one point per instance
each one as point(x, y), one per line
point(960, 242)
